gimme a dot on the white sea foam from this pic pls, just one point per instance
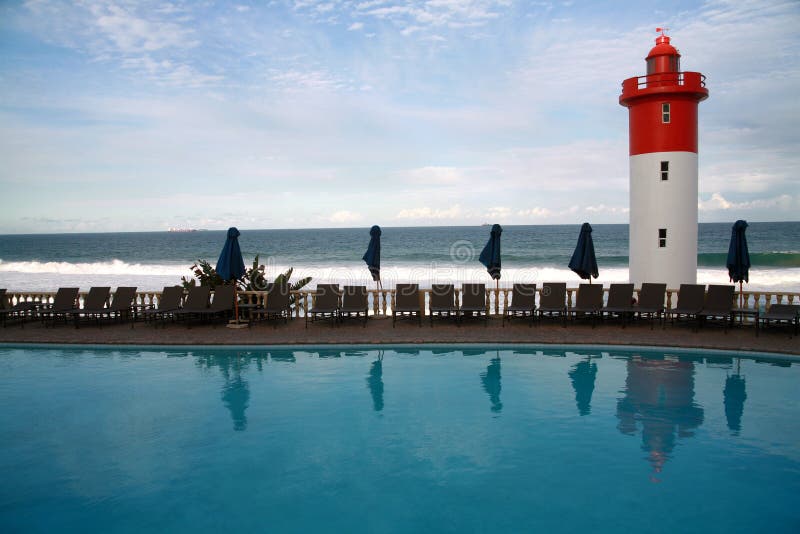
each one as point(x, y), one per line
point(46, 276)
point(113, 267)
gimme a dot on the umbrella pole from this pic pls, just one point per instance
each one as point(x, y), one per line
point(235, 323)
point(741, 297)
point(236, 301)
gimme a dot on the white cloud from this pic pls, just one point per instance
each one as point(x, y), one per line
point(603, 209)
point(434, 175)
point(536, 212)
point(412, 16)
point(166, 72)
point(324, 7)
point(717, 202)
point(136, 36)
point(355, 26)
point(499, 213)
point(132, 33)
point(427, 213)
point(306, 80)
point(345, 216)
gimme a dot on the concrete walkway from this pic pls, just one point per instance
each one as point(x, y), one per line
point(381, 331)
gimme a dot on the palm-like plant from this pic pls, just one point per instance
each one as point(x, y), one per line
point(254, 278)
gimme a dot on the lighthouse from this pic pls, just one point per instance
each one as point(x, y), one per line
point(662, 118)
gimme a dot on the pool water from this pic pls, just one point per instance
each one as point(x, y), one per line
point(405, 439)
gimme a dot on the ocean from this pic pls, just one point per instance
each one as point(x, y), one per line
point(151, 260)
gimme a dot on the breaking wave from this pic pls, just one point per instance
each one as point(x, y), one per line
point(113, 267)
point(46, 276)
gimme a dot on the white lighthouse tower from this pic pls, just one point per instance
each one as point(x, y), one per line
point(662, 114)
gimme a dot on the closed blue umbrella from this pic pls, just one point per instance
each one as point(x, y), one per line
point(583, 376)
point(230, 265)
point(738, 256)
point(373, 254)
point(734, 396)
point(490, 255)
point(583, 261)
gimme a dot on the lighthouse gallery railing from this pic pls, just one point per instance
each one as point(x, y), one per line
point(688, 80)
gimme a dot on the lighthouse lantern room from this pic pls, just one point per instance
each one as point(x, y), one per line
point(662, 115)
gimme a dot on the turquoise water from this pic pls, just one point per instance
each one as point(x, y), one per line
point(398, 440)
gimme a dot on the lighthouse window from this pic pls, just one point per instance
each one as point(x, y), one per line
point(665, 113)
point(662, 237)
point(664, 171)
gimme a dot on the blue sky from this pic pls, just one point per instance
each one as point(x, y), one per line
point(138, 115)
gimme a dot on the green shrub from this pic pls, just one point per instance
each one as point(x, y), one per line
point(254, 278)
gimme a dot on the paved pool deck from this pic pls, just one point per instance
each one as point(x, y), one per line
point(380, 331)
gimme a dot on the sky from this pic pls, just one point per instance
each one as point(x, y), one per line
point(145, 115)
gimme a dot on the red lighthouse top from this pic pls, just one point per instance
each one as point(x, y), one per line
point(664, 76)
point(663, 57)
point(662, 104)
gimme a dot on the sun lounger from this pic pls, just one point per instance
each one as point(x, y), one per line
point(651, 302)
point(168, 303)
point(406, 303)
point(691, 298)
point(20, 310)
point(781, 313)
point(196, 303)
point(523, 302)
point(354, 303)
point(278, 304)
point(553, 300)
point(442, 301)
point(5, 307)
point(718, 305)
point(473, 302)
point(326, 304)
point(95, 304)
point(620, 302)
point(222, 303)
point(588, 302)
point(63, 303)
point(122, 304)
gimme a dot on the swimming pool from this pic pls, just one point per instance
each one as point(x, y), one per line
point(403, 439)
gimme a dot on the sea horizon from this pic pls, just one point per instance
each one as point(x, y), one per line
point(384, 227)
point(421, 254)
